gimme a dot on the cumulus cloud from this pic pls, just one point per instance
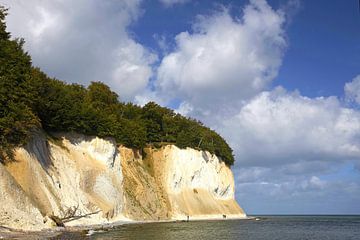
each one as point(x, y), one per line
point(280, 127)
point(83, 41)
point(352, 90)
point(224, 59)
point(285, 143)
point(310, 195)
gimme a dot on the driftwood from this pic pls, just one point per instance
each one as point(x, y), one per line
point(3, 228)
point(70, 214)
point(57, 221)
point(69, 219)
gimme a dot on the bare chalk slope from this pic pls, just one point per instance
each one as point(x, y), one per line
point(78, 180)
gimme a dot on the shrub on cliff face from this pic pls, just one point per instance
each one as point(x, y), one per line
point(29, 99)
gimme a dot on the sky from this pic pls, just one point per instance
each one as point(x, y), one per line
point(278, 79)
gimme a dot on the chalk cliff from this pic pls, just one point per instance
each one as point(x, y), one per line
point(79, 180)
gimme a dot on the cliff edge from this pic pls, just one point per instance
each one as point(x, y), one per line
point(72, 180)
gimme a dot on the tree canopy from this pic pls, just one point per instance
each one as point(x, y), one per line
point(30, 100)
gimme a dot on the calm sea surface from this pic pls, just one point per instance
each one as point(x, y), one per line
point(269, 227)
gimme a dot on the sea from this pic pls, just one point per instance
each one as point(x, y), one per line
point(262, 227)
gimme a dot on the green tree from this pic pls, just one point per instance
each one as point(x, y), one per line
point(16, 117)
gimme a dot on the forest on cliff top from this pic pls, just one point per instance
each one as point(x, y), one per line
point(30, 100)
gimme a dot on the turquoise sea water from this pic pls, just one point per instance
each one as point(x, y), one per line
point(268, 227)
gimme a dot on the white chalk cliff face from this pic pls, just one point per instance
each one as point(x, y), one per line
point(192, 169)
point(198, 184)
point(83, 180)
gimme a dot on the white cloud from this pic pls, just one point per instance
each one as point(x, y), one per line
point(284, 143)
point(314, 183)
point(278, 127)
point(132, 69)
point(282, 173)
point(224, 59)
point(352, 90)
point(83, 41)
point(169, 3)
point(309, 195)
point(288, 189)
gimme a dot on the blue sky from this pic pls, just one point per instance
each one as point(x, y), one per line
point(324, 37)
point(324, 50)
point(279, 79)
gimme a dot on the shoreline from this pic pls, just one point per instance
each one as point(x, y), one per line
point(6, 232)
